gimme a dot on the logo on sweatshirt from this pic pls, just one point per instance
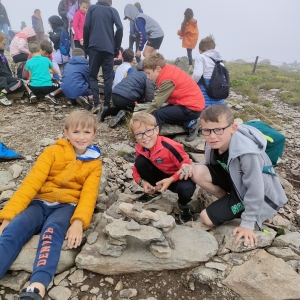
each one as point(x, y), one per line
point(159, 161)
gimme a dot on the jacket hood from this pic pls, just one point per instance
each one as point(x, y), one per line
point(28, 32)
point(55, 22)
point(247, 139)
point(130, 12)
point(215, 54)
point(78, 60)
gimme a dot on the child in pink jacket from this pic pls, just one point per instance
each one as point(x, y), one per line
point(78, 22)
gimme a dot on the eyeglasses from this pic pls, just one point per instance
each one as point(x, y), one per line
point(140, 135)
point(217, 131)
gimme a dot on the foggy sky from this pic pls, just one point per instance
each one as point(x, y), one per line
point(242, 29)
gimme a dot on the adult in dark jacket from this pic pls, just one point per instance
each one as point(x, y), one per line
point(63, 8)
point(4, 21)
point(102, 44)
point(135, 88)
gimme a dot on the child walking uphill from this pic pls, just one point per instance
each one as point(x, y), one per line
point(56, 198)
point(189, 34)
point(204, 67)
point(233, 172)
point(184, 98)
point(158, 159)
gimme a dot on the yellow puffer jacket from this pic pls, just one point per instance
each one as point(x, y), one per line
point(58, 176)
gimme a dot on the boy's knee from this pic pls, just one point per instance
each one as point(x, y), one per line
point(201, 174)
point(205, 218)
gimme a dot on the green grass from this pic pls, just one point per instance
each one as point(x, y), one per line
point(122, 153)
point(266, 77)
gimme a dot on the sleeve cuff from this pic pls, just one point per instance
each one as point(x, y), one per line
point(175, 176)
point(248, 224)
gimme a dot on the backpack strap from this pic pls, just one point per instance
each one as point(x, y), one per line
point(202, 80)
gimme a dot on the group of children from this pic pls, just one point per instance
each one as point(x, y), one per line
point(59, 203)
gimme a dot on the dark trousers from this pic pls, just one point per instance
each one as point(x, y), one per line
point(184, 188)
point(175, 114)
point(135, 40)
point(14, 85)
point(20, 57)
point(44, 90)
point(120, 103)
point(96, 60)
point(53, 223)
point(189, 54)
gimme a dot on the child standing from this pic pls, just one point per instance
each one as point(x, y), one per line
point(184, 98)
point(204, 67)
point(8, 83)
point(78, 22)
point(158, 159)
point(56, 198)
point(40, 81)
point(189, 34)
point(37, 25)
point(233, 172)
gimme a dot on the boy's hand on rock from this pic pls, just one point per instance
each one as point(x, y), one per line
point(185, 172)
point(74, 234)
point(247, 233)
point(165, 184)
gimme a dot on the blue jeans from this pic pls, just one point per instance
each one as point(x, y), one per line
point(53, 223)
point(4, 28)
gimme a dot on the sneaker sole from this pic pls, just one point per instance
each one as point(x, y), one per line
point(83, 103)
point(116, 120)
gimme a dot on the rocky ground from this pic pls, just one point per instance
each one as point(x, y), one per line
point(161, 261)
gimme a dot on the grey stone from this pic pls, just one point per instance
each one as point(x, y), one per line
point(163, 204)
point(60, 277)
point(182, 63)
point(202, 274)
point(122, 147)
point(92, 238)
point(103, 182)
point(77, 277)
point(280, 221)
point(111, 250)
point(58, 117)
point(197, 157)
point(128, 293)
point(168, 129)
point(10, 186)
point(215, 265)
point(6, 195)
point(15, 282)
point(60, 293)
point(160, 251)
point(117, 242)
point(165, 220)
point(5, 178)
point(133, 226)
point(285, 253)
point(264, 277)
point(291, 239)
point(16, 170)
point(112, 210)
point(46, 142)
point(197, 144)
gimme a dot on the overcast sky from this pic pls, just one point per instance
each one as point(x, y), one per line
point(242, 29)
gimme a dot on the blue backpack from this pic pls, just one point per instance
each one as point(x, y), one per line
point(64, 43)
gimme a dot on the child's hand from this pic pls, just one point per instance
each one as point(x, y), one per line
point(185, 172)
point(165, 183)
point(247, 233)
point(81, 42)
point(3, 225)
point(74, 234)
point(148, 188)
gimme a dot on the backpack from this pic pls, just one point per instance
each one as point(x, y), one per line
point(21, 72)
point(219, 82)
point(275, 143)
point(64, 43)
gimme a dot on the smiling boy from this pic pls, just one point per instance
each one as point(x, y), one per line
point(158, 159)
point(56, 198)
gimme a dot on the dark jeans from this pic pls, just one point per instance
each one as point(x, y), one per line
point(119, 104)
point(96, 60)
point(14, 85)
point(44, 90)
point(189, 54)
point(184, 188)
point(175, 114)
point(20, 57)
point(53, 223)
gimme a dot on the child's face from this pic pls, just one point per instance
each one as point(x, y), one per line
point(153, 75)
point(80, 138)
point(84, 7)
point(38, 13)
point(2, 43)
point(145, 135)
point(219, 141)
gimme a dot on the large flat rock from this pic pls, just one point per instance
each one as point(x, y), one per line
point(191, 247)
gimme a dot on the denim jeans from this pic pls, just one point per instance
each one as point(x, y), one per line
point(53, 223)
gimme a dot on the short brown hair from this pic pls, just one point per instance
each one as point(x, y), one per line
point(3, 37)
point(37, 11)
point(154, 60)
point(34, 47)
point(46, 46)
point(137, 5)
point(207, 43)
point(214, 112)
point(81, 118)
point(128, 55)
point(88, 2)
point(142, 118)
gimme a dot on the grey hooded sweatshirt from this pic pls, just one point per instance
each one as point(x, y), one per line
point(153, 30)
point(262, 194)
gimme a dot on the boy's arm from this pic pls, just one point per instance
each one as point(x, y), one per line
point(85, 208)
point(30, 186)
point(166, 89)
point(140, 24)
point(198, 68)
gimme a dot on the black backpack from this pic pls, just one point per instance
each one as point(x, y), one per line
point(219, 82)
point(21, 70)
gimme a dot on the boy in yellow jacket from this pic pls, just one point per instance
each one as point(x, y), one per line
point(56, 198)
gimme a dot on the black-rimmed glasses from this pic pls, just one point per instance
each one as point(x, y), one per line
point(217, 131)
point(148, 132)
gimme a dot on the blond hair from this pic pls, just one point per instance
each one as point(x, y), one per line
point(142, 118)
point(81, 119)
point(153, 60)
point(207, 43)
point(3, 37)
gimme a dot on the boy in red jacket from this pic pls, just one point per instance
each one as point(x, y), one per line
point(157, 162)
point(185, 99)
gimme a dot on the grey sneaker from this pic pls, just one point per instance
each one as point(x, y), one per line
point(193, 130)
point(51, 99)
point(84, 102)
point(4, 100)
point(32, 98)
point(117, 119)
point(96, 109)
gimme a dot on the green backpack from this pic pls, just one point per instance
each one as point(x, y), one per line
point(275, 143)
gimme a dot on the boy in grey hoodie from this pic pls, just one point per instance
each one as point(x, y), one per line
point(234, 159)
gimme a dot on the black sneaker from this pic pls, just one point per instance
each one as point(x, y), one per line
point(30, 293)
point(51, 99)
point(32, 98)
point(84, 102)
point(193, 130)
point(185, 213)
point(130, 157)
point(102, 113)
point(117, 119)
point(147, 198)
point(96, 108)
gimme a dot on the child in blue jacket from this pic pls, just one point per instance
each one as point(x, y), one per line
point(75, 81)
